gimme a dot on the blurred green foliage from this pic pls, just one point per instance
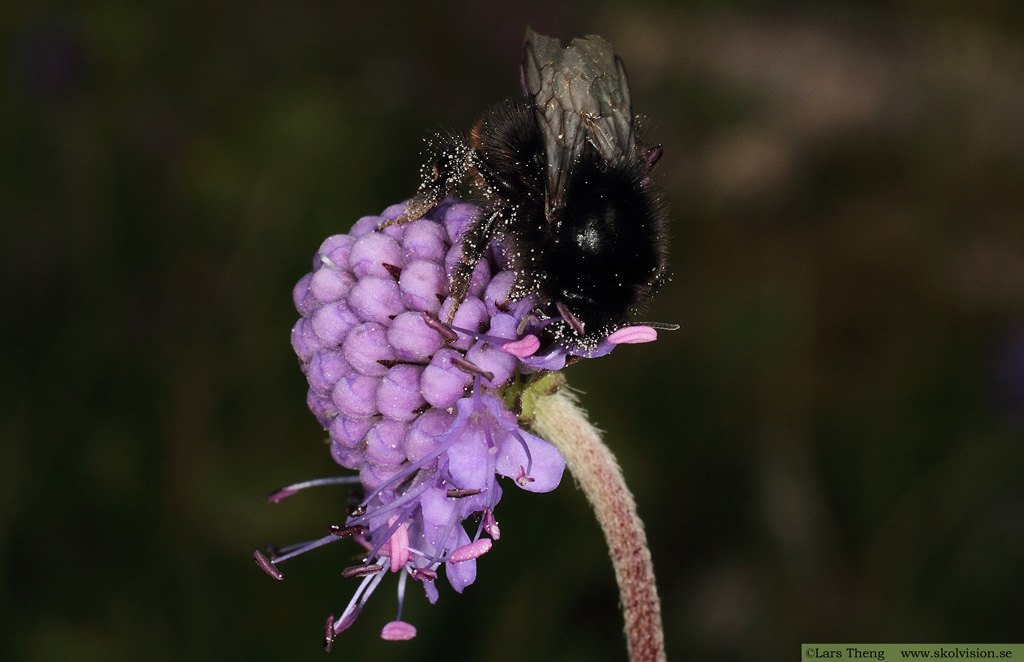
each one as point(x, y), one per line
point(829, 450)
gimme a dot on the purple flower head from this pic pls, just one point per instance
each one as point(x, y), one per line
point(417, 400)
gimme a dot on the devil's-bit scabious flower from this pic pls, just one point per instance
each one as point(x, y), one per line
point(420, 407)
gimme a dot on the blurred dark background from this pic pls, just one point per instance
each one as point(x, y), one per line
point(829, 450)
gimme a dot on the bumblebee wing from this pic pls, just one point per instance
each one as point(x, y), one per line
point(580, 94)
point(606, 109)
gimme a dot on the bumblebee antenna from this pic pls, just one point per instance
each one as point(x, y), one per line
point(660, 326)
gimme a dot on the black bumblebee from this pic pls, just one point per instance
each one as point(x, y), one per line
point(564, 178)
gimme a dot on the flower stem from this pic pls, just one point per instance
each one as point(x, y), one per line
point(559, 420)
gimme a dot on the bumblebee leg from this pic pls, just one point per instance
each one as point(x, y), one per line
point(474, 243)
point(440, 179)
point(495, 184)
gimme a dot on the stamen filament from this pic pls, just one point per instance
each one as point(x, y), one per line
point(415, 466)
point(401, 594)
point(288, 490)
point(526, 449)
point(441, 553)
point(320, 542)
point(497, 341)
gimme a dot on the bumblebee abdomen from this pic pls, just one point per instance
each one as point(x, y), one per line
point(607, 253)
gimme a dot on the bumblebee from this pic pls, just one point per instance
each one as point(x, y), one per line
point(564, 179)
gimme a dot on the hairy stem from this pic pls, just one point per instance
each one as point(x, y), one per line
point(560, 421)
